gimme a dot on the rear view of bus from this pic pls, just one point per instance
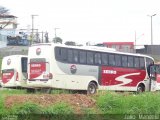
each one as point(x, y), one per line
point(14, 71)
point(38, 68)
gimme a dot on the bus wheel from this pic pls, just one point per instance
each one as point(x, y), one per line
point(92, 88)
point(140, 88)
point(30, 90)
point(46, 90)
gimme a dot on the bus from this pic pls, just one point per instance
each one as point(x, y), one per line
point(14, 71)
point(87, 69)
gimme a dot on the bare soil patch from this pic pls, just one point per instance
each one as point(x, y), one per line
point(77, 101)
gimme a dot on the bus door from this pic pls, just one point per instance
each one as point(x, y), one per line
point(8, 76)
point(39, 70)
point(24, 68)
point(153, 78)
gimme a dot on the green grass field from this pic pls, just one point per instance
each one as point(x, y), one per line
point(108, 105)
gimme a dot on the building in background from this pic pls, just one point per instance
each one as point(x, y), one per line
point(121, 46)
point(8, 25)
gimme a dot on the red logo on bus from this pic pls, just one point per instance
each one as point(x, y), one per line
point(9, 61)
point(73, 69)
point(38, 51)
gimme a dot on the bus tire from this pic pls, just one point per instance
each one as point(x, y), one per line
point(46, 90)
point(140, 88)
point(92, 88)
point(30, 90)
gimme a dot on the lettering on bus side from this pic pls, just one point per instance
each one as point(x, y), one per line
point(109, 72)
point(35, 65)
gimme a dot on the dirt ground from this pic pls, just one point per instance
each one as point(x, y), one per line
point(77, 101)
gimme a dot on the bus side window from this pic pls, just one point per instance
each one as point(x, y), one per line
point(90, 58)
point(82, 57)
point(64, 54)
point(104, 59)
point(149, 61)
point(136, 62)
point(58, 53)
point(70, 55)
point(142, 63)
point(111, 60)
point(124, 61)
point(118, 60)
point(75, 56)
point(130, 61)
point(97, 58)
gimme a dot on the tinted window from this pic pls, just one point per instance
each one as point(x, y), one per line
point(118, 60)
point(142, 65)
point(149, 61)
point(111, 60)
point(63, 54)
point(124, 61)
point(70, 55)
point(130, 61)
point(136, 62)
point(58, 53)
point(82, 57)
point(97, 57)
point(89, 57)
point(105, 59)
point(75, 56)
point(24, 61)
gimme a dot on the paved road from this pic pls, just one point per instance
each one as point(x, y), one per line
point(14, 48)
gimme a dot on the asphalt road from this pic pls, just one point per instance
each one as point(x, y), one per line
point(14, 48)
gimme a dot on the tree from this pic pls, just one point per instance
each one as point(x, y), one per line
point(70, 43)
point(57, 40)
point(3, 12)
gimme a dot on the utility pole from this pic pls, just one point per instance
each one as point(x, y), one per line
point(32, 27)
point(55, 31)
point(151, 28)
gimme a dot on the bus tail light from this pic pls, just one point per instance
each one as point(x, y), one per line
point(17, 76)
point(50, 76)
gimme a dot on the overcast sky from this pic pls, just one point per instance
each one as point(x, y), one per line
point(91, 20)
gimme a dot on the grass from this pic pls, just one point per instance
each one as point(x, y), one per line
point(146, 103)
point(6, 91)
point(107, 103)
point(58, 108)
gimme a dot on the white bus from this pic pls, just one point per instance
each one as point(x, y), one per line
point(14, 71)
point(87, 68)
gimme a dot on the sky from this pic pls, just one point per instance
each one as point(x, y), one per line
point(95, 21)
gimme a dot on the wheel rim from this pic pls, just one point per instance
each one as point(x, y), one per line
point(91, 89)
point(139, 90)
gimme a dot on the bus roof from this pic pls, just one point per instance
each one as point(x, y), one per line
point(92, 48)
point(16, 56)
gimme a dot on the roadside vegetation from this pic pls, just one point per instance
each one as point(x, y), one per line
point(107, 105)
point(0, 66)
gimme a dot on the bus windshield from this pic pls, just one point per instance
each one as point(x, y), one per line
point(158, 69)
